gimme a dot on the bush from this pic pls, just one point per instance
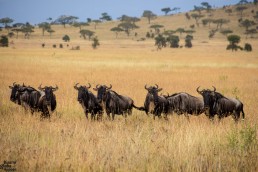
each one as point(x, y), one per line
point(248, 47)
point(4, 42)
point(148, 35)
point(60, 45)
point(95, 43)
point(54, 46)
point(233, 41)
point(173, 41)
point(188, 43)
point(66, 38)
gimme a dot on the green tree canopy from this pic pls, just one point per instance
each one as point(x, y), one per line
point(241, 9)
point(80, 24)
point(84, 33)
point(44, 26)
point(116, 30)
point(197, 17)
point(105, 17)
point(166, 10)
point(156, 27)
point(149, 15)
point(5, 21)
point(64, 19)
point(247, 23)
point(127, 27)
point(226, 32)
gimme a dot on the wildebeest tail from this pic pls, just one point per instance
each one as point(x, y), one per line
point(139, 108)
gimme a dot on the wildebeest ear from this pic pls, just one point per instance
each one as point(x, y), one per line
point(95, 89)
point(10, 87)
point(75, 87)
point(160, 89)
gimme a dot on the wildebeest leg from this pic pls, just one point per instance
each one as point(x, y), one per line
point(113, 116)
point(92, 116)
point(86, 114)
point(187, 116)
point(243, 114)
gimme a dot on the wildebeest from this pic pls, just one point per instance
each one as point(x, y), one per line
point(88, 101)
point(184, 103)
point(113, 102)
point(216, 103)
point(26, 96)
point(154, 103)
point(47, 101)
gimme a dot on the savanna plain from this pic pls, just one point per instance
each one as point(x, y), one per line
point(70, 142)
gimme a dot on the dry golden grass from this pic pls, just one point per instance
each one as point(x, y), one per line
point(71, 143)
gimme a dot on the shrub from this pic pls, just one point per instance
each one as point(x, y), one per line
point(66, 38)
point(60, 45)
point(248, 47)
point(173, 41)
point(95, 43)
point(4, 42)
point(54, 46)
point(233, 41)
point(188, 42)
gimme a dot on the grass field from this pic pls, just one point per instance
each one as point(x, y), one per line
point(69, 142)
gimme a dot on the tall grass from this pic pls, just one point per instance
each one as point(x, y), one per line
point(69, 142)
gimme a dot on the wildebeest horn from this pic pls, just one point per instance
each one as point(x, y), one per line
point(89, 86)
point(146, 87)
point(14, 83)
point(40, 88)
point(214, 89)
point(54, 89)
point(197, 89)
point(75, 86)
point(109, 87)
point(157, 86)
point(97, 86)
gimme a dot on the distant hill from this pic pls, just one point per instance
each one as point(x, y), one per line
point(170, 22)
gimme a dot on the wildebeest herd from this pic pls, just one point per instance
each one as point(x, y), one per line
point(110, 102)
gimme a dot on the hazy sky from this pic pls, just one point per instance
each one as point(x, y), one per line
point(35, 11)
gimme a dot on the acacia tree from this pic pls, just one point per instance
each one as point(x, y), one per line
point(156, 27)
point(127, 27)
point(149, 15)
point(80, 24)
point(247, 24)
point(116, 30)
point(220, 22)
point(17, 27)
point(197, 17)
point(44, 26)
point(180, 30)
point(206, 6)
point(66, 20)
point(50, 31)
point(226, 32)
point(241, 9)
point(105, 17)
point(5, 21)
point(96, 22)
point(125, 18)
point(207, 21)
point(166, 10)
point(84, 33)
point(233, 41)
point(27, 29)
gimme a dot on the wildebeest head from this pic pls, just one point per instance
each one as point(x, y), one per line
point(102, 90)
point(15, 92)
point(48, 90)
point(208, 96)
point(153, 90)
point(82, 91)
